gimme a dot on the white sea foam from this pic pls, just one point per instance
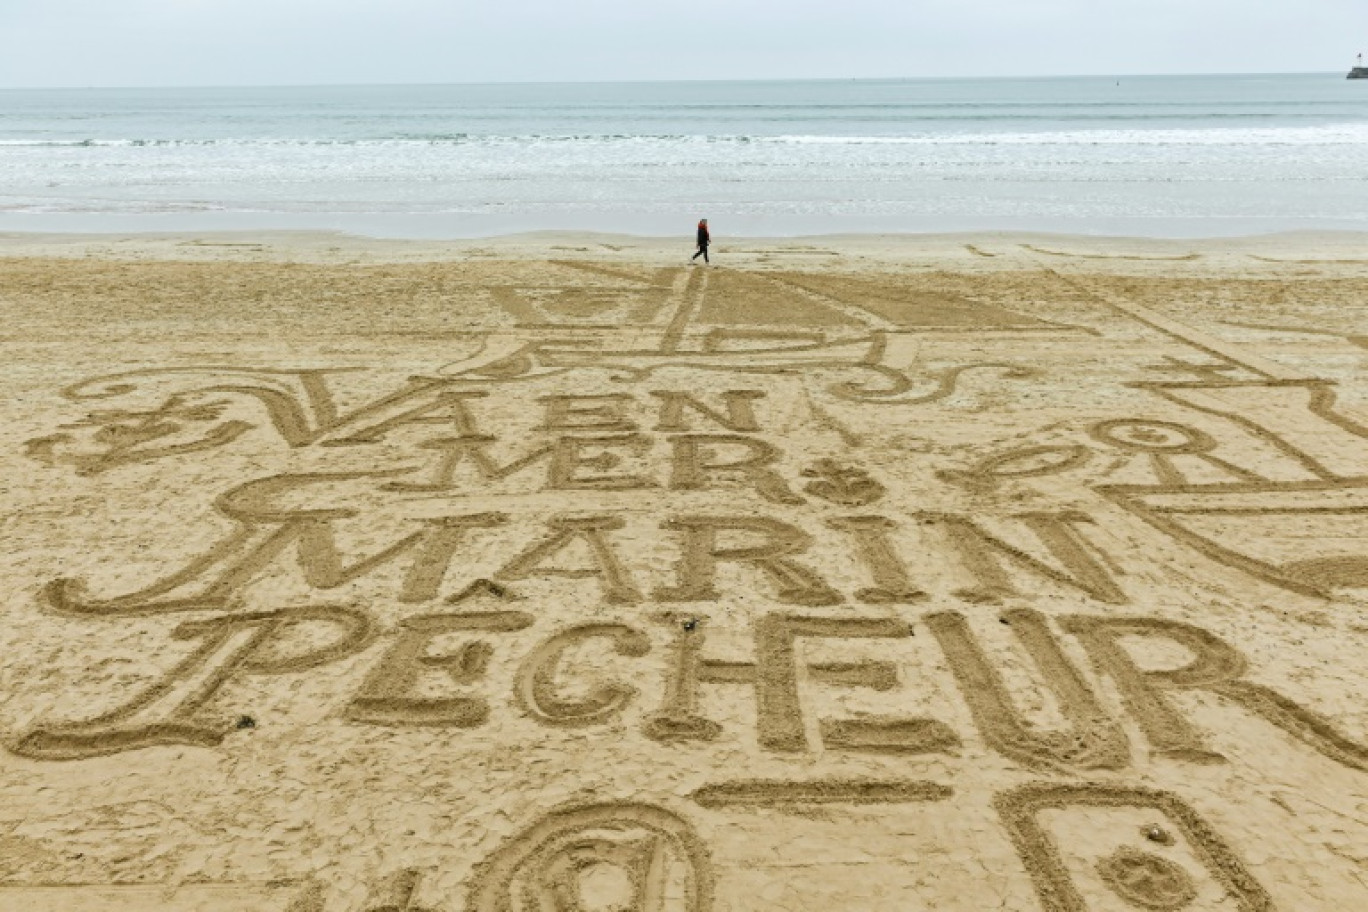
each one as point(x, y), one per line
point(1071, 154)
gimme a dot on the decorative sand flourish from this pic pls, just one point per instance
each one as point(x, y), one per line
point(524, 582)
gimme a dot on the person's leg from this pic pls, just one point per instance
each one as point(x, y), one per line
point(704, 251)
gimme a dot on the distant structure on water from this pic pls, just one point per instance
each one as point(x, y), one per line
point(1359, 71)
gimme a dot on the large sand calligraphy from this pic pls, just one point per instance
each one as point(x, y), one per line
point(652, 589)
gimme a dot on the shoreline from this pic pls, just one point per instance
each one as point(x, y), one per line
point(455, 227)
point(1295, 252)
point(1287, 239)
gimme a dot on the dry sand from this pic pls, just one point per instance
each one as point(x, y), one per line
point(551, 574)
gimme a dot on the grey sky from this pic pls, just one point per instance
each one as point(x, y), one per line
point(256, 42)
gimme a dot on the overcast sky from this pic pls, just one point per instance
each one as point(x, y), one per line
point(275, 42)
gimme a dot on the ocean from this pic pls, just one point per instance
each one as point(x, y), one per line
point(1169, 156)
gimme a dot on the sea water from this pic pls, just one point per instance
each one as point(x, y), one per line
point(1158, 156)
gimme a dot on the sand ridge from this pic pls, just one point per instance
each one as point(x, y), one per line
point(550, 573)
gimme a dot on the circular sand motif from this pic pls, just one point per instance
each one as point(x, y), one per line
point(1147, 881)
point(1150, 436)
point(1028, 462)
point(596, 858)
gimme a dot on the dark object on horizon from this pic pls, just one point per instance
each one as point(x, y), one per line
point(1359, 71)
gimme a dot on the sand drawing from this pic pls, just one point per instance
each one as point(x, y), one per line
point(784, 793)
point(1017, 462)
point(264, 533)
point(1241, 522)
point(396, 893)
point(874, 675)
point(1145, 879)
point(1253, 535)
point(773, 555)
point(849, 486)
point(629, 857)
point(898, 383)
point(1218, 349)
point(1298, 417)
point(1268, 259)
point(573, 463)
point(432, 673)
point(388, 696)
point(536, 685)
point(129, 436)
point(983, 555)
point(691, 298)
point(828, 422)
point(806, 302)
point(1203, 370)
point(1110, 256)
point(892, 582)
point(1278, 327)
point(1216, 667)
point(887, 735)
point(299, 403)
point(483, 587)
point(612, 576)
point(862, 356)
point(1163, 440)
point(310, 898)
point(739, 416)
point(506, 359)
point(620, 587)
point(952, 305)
point(1247, 522)
point(422, 404)
point(834, 303)
point(301, 408)
point(219, 896)
point(299, 524)
point(1094, 741)
point(698, 457)
point(678, 719)
point(173, 709)
point(601, 413)
point(773, 676)
point(634, 295)
point(1356, 339)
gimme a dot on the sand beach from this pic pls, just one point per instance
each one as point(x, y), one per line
point(550, 573)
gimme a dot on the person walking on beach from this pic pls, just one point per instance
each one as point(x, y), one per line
point(704, 239)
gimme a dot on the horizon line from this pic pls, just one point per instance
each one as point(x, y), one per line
point(600, 82)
